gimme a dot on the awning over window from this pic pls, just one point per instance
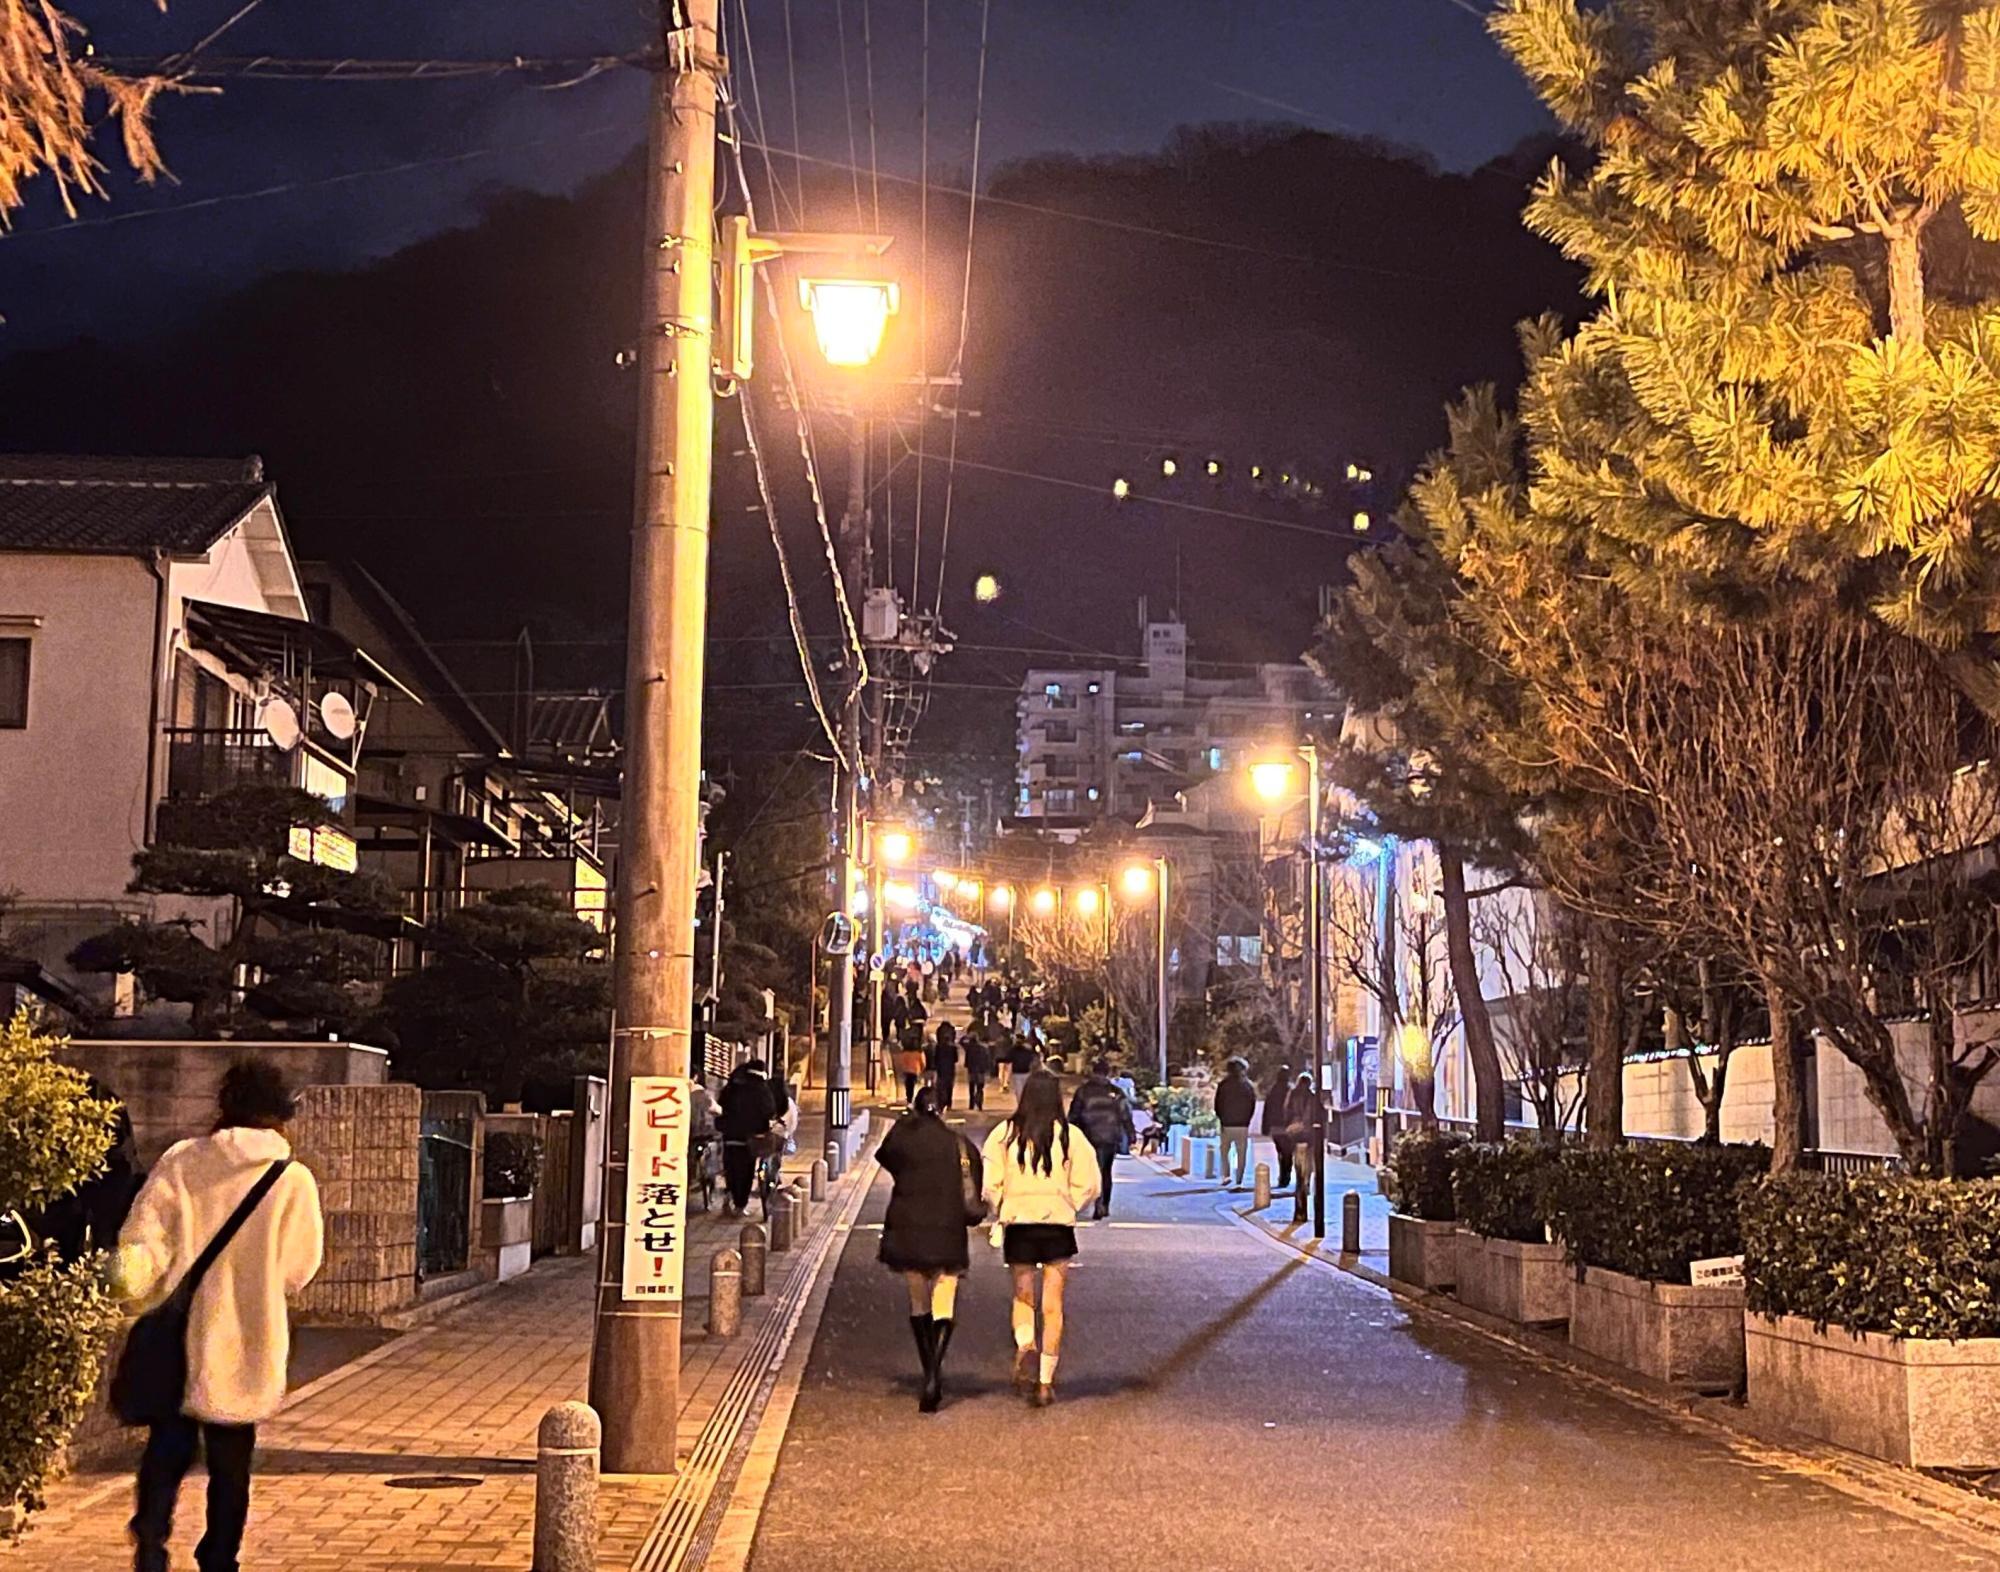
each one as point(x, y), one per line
point(259, 641)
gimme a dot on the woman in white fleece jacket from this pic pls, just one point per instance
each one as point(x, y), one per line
point(1040, 1172)
point(238, 1333)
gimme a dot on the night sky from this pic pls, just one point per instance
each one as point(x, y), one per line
point(1095, 76)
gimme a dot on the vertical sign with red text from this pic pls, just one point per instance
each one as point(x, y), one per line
point(656, 1173)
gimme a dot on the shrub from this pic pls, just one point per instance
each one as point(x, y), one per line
point(513, 1164)
point(1497, 1188)
point(55, 1319)
point(1204, 1125)
point(1176, 1105)
point(1418, 1178)
point(1649, 1210)
point(1876, 1253)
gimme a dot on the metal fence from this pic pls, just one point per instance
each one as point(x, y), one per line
point(444, 1192)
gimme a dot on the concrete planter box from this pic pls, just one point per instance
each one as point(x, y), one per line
point(1921, 1402)
point(1669, 1331)
point(1528, 1283)
point(1423, 1253)
point(507, 1236)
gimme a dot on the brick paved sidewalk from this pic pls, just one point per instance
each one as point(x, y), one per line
point(420, 1455)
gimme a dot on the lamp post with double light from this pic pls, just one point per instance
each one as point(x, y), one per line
point(1273, 781)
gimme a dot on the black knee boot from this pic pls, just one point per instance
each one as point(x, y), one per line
point(934, 1372)
point(924, 1329)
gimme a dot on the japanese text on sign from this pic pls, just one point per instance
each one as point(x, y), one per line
point(656, 1170)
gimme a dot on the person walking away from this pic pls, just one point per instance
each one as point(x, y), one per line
point(1021, 1061)
point(1040, 1173)
point(978, 1065)
point(912, 1058)
point(1016, 1018)
point(1299, 1110)
point(944, 1065)
point(90, 1216)
point(238, 1336)
point(1235, 1108)
point(1276, 1096)
point(1099, 1109)
point(935, 1172)
point(747, 1112)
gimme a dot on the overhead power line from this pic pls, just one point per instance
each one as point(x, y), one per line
point(346, 69)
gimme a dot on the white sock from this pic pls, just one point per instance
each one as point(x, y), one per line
point(1048, 1369)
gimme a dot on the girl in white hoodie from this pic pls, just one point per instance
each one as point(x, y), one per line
point(1039, 1174)
point(238, 1333)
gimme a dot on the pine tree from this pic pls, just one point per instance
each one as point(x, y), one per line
point(1793, 376)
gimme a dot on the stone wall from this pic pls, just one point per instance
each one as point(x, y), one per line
point(169, 1086)
point(361, 1144)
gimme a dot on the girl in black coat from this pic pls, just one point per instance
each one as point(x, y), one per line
point(923, 1236)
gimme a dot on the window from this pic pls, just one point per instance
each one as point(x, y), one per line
point(1215, 758)
point(13, 683)
point(1063, 801)
point(1239, 949)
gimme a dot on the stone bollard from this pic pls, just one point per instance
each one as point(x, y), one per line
point(750, 1245)
point(801, 1208)
point(834, 1168)
point(566, 1465)
point(818, 1186)
point(1184, 1158)
point(1350, 1223)
point(725, 1293)
point(781, 1221)
point(1210, 1165)
point(1261, 1201)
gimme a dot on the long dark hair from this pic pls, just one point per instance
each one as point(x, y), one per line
point(1032, 1130)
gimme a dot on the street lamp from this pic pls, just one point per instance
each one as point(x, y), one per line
point(1272, 780)
point(849, 316)
point(1085, 901)
point(1043, 902)
point(897, 846)
point(1140, 878)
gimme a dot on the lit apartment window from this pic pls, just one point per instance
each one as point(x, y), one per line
point(1215, 758)
point(1053, 690)
point(13, 684)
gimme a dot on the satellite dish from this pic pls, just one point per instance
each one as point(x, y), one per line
point(337, 715)
point(281, 723)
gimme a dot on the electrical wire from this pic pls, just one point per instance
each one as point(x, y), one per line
point(964, 302)
point(868, 62)
point(792, 612)
point(187, 58)
point(847, 102)
point(923, 304)
point(348, 69)
point(792, 79)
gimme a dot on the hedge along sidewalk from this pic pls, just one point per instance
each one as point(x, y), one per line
point(421, 1453)
point(1965, 1509)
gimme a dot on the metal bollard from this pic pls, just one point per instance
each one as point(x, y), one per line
point(833, 1163)
point(566, 1466)
point(781, 1221)
point(1350, 1223)
point(750, 1246)
point(819, 1172)
point(1262, 1199)
point(725, 1293)
point(1210, 1165)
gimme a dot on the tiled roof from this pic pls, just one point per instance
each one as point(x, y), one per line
point(118, 505)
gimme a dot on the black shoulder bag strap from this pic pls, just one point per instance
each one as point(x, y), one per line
point(192, 1282)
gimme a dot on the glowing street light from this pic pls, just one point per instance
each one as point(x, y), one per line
point(1272, 779)
point(1085, 901)
point(1002, 898)
point(897, 847)
point(1137, 881)
point(850, 315)
point(899, 895)
point(945, 879)
point(1043, 902)
point(1121, 488)
point(986, 589)
point(1361, 523)
point(857, 902)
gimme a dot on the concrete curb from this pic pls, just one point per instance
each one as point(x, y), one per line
point(1967, 1514)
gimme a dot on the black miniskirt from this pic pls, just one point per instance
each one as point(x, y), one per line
point(1037, 1244)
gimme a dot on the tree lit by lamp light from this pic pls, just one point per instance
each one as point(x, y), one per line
point(849, 316)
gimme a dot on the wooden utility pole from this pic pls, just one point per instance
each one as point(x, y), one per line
point(847, 811)
point(635, 1358)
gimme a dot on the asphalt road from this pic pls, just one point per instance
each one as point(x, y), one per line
point(1221, 1405)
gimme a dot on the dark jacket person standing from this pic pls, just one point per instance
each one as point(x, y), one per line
point(1100, 1111)
point(978, 1065)
point(923, 1232)
point(1276, 1096)
point(944, 1064)
point(1235, 1107)
point(747, 1112)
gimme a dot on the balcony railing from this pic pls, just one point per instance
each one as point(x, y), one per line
point(202, 761)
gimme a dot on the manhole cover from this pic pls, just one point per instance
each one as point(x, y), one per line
point(435, 1481)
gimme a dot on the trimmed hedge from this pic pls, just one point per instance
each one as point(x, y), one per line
point(1498, 1188)
point(1648, 1210)
point(1418, 1178)
point(1876, 1253)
